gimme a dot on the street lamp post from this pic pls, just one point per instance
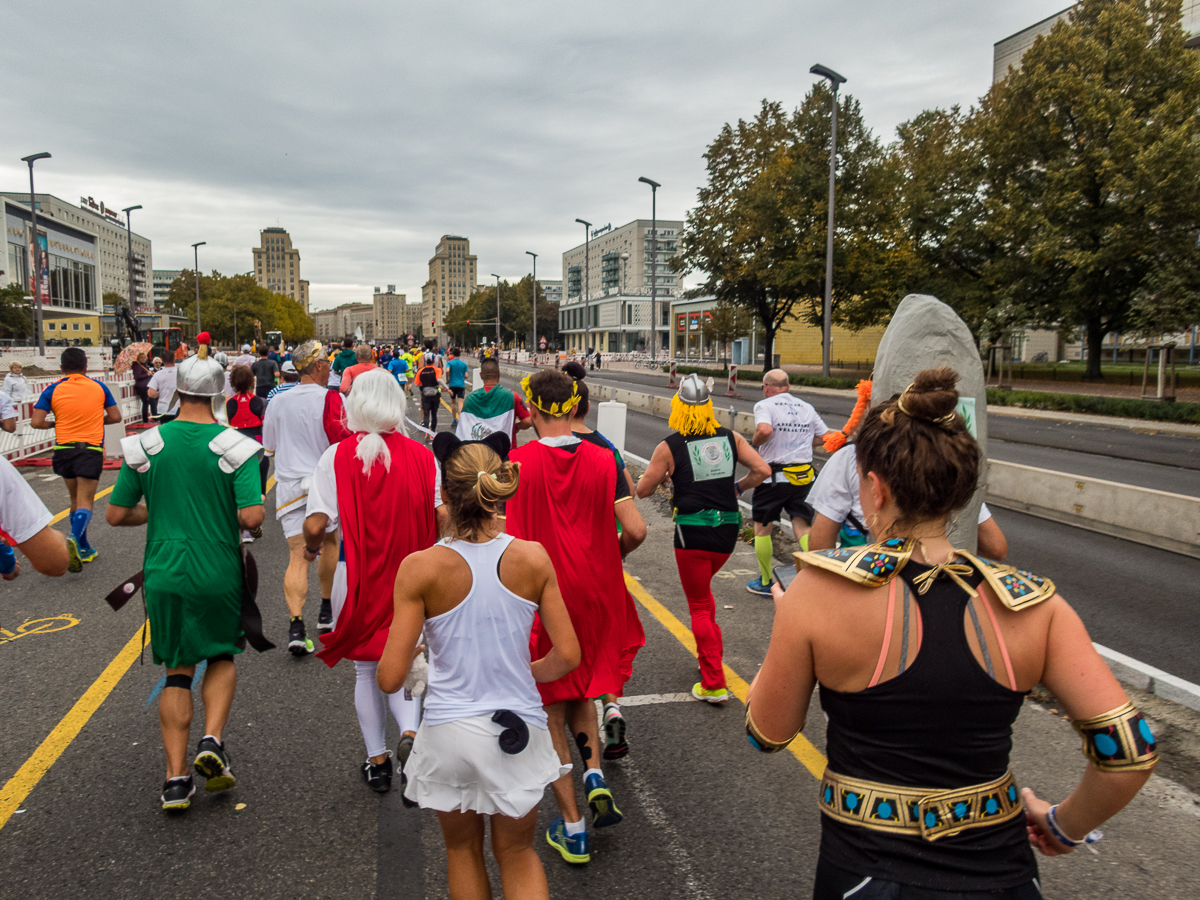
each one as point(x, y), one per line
point(533, 348)
point(835, 80)
point(497, 277)
point(129, 257)
point(196, 251)
point(654, 186)
point(36, 256)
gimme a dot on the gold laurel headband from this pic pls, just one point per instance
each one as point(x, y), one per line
point(554, 409)
point(940, 420)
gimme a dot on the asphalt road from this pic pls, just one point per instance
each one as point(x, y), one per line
point(706, 817)
point(1133, 598)
point(1164, 462)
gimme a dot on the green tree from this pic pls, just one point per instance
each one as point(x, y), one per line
point(15, 320)
point(759, 229)
point(726, 323)
point(224, 297)
point(1093, 174)
point(516, 315)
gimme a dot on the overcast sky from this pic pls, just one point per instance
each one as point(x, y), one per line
point(369, 128)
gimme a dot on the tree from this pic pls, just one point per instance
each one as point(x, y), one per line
point(1093, 174)
point(759, 229)
point(725, 323)
point(516, 315)
point(15, 320)
point(222, 297)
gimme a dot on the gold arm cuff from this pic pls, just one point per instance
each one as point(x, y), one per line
point(1119, 740)
point(758, 741)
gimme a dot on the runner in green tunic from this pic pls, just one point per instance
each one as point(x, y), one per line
point(201, 485)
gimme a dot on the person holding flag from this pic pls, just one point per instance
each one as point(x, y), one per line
point(494, 408)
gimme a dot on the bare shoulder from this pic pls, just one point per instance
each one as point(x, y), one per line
point(420, 569)
point(823, 596)
point(528, 554)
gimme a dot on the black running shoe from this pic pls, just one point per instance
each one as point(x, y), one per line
point(325, 618)
point(378, 776)
point(298, 642)
point(403, 752)
point(212, 762)
point(177, 793)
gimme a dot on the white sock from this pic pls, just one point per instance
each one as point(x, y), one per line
point(611, 706)
point(592, 772)
point(209, 737)
point(574, 828)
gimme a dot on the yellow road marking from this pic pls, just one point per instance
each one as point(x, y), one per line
point(800, 747)
point(17, 788)
point(66, 512)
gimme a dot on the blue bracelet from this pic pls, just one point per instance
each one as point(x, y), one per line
point(1052, 820)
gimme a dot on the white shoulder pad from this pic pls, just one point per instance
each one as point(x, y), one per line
point(138, 448)
point(131, 449)
point(234, 449)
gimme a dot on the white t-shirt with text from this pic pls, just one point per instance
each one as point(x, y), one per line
point(794, 424)
point(163, 381)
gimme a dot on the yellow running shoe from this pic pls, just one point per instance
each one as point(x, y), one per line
point(716, 695)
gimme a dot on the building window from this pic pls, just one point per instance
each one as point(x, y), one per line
point(87, 326)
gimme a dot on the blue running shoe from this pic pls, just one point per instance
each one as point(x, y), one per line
point(600, 799)
point(572, 847)
point(757, 587)
point(87, 554)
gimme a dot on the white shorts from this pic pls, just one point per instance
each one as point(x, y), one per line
point(459, 767)
point(292, 519)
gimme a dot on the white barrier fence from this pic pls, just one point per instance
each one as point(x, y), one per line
point(29, 441)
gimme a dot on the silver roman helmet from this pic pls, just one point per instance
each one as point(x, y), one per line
point(694, 391)
point(199, 376)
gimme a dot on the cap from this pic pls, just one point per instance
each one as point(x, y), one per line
point(199, 377)
point(694, 391)
point(287, 367)
point(245, 348)
point(221, 358)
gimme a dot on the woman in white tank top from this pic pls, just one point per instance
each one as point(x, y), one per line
point(483, 748)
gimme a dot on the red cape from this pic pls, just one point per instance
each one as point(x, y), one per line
point(565, 503)
point(383, 517)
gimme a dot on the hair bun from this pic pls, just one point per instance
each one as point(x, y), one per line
point(575, 370)
point(932, 395)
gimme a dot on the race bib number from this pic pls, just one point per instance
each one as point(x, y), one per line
point(711, 459)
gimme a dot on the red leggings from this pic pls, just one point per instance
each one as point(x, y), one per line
point(696, 571)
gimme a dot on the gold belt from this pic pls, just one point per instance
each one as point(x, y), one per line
point(927, 813)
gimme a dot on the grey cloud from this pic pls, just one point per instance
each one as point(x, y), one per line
point(368, 129)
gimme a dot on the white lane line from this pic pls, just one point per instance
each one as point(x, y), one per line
point(649, 699)
point(668, 837)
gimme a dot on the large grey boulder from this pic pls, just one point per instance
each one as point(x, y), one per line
point(925, 333)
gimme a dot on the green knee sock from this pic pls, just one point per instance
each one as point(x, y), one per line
point(763, 549)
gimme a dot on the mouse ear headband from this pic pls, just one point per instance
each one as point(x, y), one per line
point(446, 444)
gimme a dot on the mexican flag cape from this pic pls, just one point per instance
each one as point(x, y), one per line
point(486, 411)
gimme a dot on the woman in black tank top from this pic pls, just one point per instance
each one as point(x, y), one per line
point(924, 654)
point(701, 460)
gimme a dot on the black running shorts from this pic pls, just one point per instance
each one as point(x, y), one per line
point(458, 392)
point(81, 462)
point(771, 499)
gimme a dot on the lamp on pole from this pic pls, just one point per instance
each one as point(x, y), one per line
point(835, 80)
point(533, 342)
point(587, 309)
point(129, 257)
point(497, 277)
point(654, 186)
point(36, 255)
point(196, 251)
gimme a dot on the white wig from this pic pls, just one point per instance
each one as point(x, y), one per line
point(375, 406)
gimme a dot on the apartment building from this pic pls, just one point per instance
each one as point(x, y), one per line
point(277, 265)
point(453, 277)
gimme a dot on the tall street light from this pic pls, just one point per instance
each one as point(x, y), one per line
point(129, 257)
point(654, 186)
point(36, 256)
point(497, 277)
point(533, 348)
point(835, 80)
point(587, 309)
point(196, 271)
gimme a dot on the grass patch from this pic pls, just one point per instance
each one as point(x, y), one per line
point(1123, 407)
point(757, 375)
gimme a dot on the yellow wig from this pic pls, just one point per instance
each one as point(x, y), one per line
point(688, 419)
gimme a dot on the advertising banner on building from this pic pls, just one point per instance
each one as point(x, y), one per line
point(40, 263)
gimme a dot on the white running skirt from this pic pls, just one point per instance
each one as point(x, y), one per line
point(459, 767)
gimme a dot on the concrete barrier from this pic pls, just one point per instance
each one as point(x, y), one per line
point(1157, 518)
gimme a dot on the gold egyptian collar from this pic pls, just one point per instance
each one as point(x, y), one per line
point(877, 564)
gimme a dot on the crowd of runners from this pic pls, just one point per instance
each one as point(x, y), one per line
point(475, 583)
